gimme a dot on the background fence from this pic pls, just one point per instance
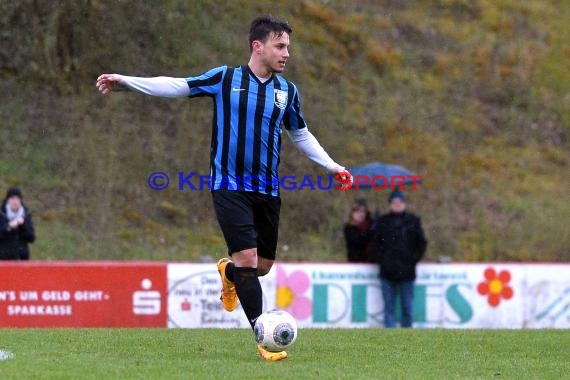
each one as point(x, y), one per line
point(142, 294)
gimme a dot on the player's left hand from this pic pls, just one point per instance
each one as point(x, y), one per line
point(343, 177)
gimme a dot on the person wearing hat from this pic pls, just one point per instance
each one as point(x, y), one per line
point(400, 244)
point(16, 227)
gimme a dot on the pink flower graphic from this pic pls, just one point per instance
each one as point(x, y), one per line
point(290, 290)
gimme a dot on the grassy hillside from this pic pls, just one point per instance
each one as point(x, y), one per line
point(472, 94)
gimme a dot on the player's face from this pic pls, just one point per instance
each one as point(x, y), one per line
point(275, 52)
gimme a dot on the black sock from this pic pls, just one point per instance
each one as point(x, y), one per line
point(230, 271)
point(249, 293)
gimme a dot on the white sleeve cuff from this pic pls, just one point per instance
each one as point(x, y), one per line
point(158, 86)
point(308, 144)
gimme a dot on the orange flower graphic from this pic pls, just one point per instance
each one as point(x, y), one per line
point(496, 286)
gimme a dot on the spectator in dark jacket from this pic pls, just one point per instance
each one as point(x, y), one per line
point(16, 227)
point(358, 234)
point(399, 244)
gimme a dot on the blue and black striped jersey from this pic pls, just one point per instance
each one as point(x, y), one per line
point(247, 120)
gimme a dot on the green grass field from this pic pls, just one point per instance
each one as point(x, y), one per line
point(318, 353)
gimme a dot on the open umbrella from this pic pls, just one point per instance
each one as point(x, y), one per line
point(381, 176)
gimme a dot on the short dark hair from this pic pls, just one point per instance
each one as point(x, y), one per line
point(263, 26)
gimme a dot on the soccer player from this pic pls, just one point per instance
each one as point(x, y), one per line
point(251, 104)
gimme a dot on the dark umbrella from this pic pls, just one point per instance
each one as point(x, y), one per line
point(380, 176)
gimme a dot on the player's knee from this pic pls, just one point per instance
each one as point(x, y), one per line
point(245, 258)
point(264, 266)
point(262, 271)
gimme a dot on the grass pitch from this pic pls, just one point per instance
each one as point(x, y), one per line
point(317, 354)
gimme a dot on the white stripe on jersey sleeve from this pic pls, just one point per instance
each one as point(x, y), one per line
point(306, 142)
point(158, 86)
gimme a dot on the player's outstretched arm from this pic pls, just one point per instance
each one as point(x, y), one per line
point(157, 86)
point(306, 142)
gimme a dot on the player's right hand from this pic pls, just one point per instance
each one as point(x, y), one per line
point(107, 82)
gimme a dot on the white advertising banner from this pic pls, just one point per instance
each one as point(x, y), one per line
point(194, 298)
point(547, 296)
point(348, 295)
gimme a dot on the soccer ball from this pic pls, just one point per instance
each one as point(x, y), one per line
point(275, 330)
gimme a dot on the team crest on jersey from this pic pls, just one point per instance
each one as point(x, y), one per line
point(281, 99)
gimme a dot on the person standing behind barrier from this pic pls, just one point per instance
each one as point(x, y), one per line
point(16, 227)
point(400, 244)
point(358, 234)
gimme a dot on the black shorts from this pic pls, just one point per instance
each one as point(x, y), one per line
point(248, 220)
